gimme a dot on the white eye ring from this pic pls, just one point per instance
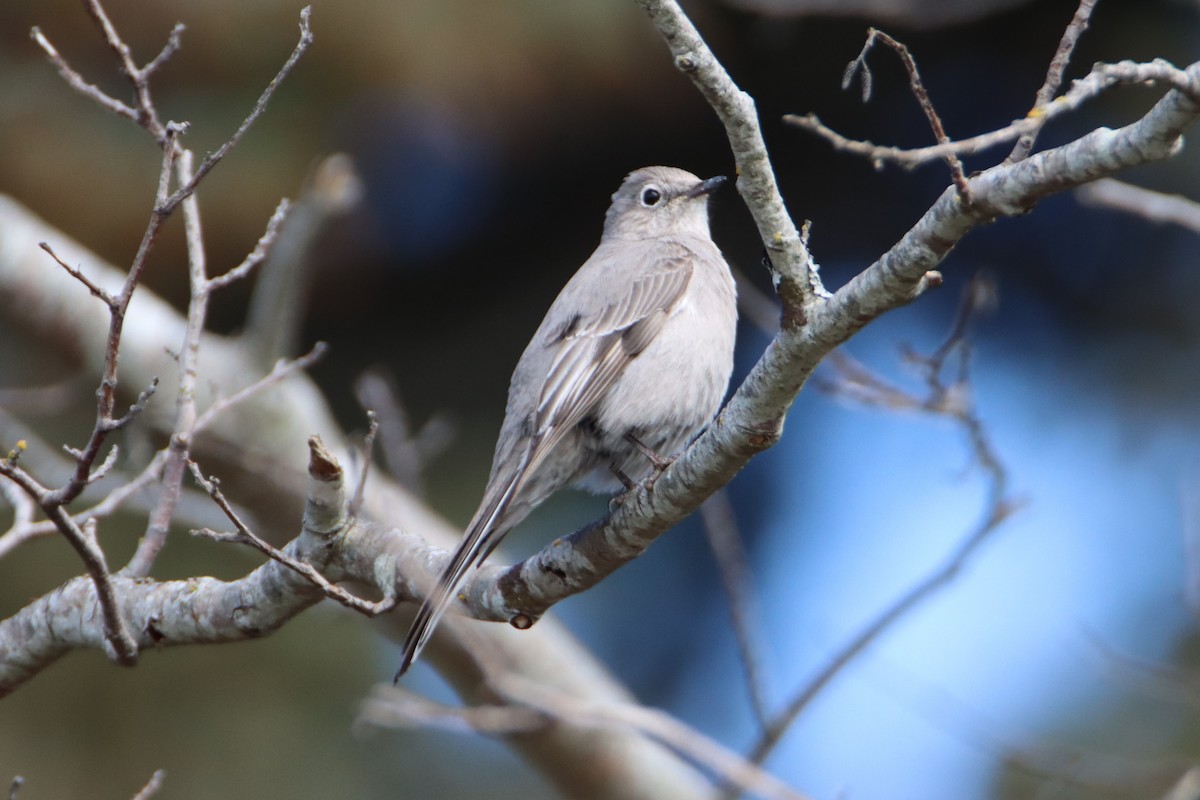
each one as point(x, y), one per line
point(651, 196)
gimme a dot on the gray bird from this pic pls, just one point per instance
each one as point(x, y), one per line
point(632, 360)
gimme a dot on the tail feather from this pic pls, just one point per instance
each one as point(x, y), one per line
point(481, 538)
point(492, 521)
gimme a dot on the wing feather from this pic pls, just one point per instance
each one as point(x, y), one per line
point(594, 355)
point(591, 355)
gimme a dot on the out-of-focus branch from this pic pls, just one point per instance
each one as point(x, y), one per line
point(1187, 788)
point(405, 451)
point(152, 786)
point(531, 706)
point(280, 297)
point(725, 540)
point(1145, 203)
point(945, 396)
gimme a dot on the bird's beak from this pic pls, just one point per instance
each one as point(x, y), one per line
point(706, 187)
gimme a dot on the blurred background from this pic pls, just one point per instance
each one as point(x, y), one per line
point(1060, 663)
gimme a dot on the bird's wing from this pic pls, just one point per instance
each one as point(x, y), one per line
point(591, 353)
point(595, 350)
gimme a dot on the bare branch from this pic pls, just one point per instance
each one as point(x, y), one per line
point(1101, 78)
point(282, 370)
point(147, 114)
point(246, 536)
point(76, 81)
point(106, 466)
point(201, 609)
point(75, 273)
point(25, 528)
point(944, 399)
point(1054, 75)
point(119, 644)
point(306, 38)
point(652, 723)
point(1150, 205)
point(169, 49)
point(795, 273)
point(725, 540)
point(366, 454)
point(259, 252)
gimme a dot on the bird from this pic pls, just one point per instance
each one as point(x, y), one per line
point(631, 362)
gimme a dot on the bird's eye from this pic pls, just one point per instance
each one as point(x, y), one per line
point(651, 196)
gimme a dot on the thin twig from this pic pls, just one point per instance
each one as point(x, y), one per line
point(107, 506)
point(306, 39)
point(76, 81)
point(944, 399)
point(1054, 74)
point(261, 248)
point(174, 40)
point(366, 454)
point(246, 536)
point(1101, 78)
point(859, 66)
point(78, 275)
point(147, 114)
point(282, 369)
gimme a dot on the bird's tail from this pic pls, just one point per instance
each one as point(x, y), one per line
point(482, 536)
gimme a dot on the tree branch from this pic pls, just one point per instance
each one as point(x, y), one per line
point(795, 273)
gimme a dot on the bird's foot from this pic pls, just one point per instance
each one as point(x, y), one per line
point(658, 464)
point(622, 477)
